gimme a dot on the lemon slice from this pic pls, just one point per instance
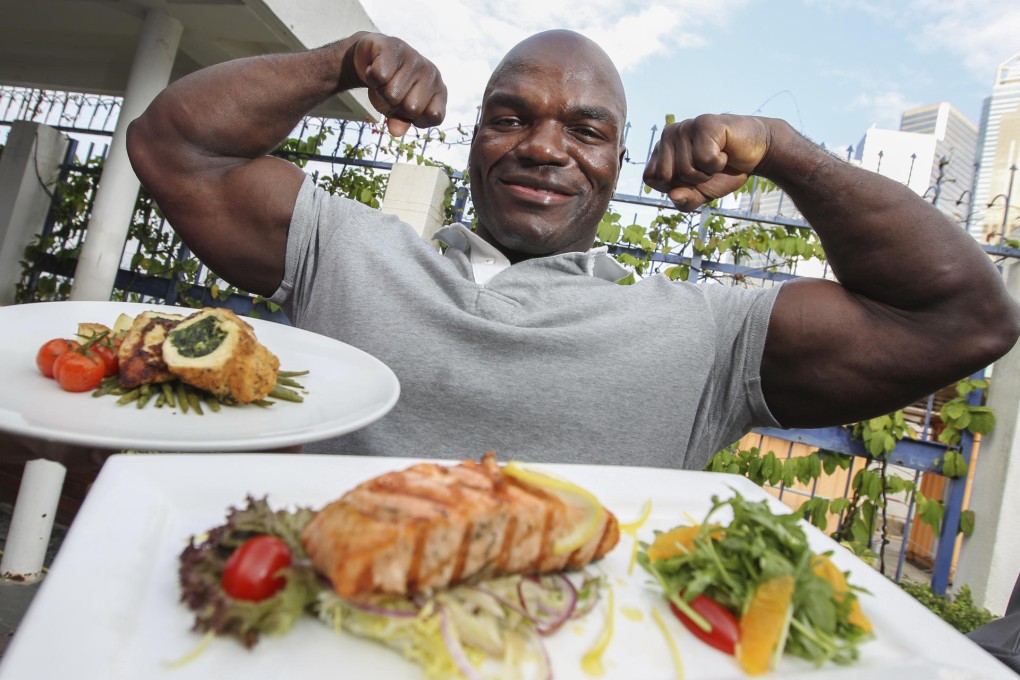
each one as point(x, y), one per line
point(569, 493)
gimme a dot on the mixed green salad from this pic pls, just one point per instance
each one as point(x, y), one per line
point(251, 577)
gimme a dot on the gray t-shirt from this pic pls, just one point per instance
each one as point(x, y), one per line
point(544, 362)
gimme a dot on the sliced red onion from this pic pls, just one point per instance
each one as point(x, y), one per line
point(534, 640)
point(509, 604)
point(547, 619)
point(454, 647)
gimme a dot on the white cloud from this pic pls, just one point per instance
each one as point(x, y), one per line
point(984, 33)
point(468, 38)
point(884, 108)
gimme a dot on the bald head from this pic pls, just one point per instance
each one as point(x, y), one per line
point(580, 60)
point(548, 147)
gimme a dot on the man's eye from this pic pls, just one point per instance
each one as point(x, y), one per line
point(507, 122)
point(587, 133)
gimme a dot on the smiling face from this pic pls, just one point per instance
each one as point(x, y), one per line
point(548, 147)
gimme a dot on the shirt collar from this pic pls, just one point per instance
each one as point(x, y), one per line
point(487, 261)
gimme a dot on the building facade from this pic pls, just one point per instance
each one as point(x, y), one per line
point(955, 155)
point(996, 188)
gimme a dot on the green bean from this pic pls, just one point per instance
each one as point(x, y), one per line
point(160, 398)
point(195, 403)
point(106, 386)
point(285, 394)
point(213, 402)
point(144, 396)
point(182, 397)
point(168, 394)
point(287, 382)
point(291, 374)
point(262, 403)
point(128, 397)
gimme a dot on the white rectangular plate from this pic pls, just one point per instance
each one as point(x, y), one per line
point(109, 607)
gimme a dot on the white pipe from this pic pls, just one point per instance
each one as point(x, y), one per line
point(32, 520)
point(118, 187)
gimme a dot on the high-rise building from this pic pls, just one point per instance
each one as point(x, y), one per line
point(952, 165)
point(906, 157)
point(932, 153)
point(997, 188)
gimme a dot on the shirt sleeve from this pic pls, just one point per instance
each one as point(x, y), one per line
point(733, 401)
point(322, 229)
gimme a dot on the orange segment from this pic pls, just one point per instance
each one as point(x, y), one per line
point(764, 625)
point(824, 567)
point(678, 541)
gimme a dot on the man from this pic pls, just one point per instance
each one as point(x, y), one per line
point(516, 339)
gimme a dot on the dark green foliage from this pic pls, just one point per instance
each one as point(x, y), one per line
point(960, 612)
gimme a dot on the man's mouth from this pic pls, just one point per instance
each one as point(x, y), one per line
point(535, 192)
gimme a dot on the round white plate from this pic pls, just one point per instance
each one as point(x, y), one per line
point(346, 390)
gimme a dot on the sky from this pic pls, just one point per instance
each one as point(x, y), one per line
point(832, 68)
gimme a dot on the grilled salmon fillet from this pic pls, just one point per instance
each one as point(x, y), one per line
point(432, 526)
point(141, 353)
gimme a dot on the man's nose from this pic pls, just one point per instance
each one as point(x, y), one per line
point(544, 144)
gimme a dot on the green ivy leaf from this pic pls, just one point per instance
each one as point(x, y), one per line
point(982, 420)
point(954, 465)
point(930, 512)
point(953, 409)
point(838, 505)
point(608, 230)
point(967, 519)
point(860, 531)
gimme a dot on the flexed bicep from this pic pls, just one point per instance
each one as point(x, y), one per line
point(202, 147)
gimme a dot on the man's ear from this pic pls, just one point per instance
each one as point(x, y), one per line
point(619, 165)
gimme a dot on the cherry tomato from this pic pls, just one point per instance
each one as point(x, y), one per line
point(78, 371)
point(725, 631)
point(250, 572)
point(49, 352)
point(108, 354)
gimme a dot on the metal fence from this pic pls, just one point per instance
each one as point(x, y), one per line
point(329, 148)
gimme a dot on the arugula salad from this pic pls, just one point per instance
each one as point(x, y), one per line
point(753, 587)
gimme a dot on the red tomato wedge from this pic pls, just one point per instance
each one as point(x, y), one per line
point(725, 631)
point(251, 571)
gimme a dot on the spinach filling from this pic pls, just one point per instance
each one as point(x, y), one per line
point(198, 339)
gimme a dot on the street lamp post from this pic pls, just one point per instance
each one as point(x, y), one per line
point(1005, 208)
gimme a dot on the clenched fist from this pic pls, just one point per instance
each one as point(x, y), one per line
point(704, 158)
point(402, 85)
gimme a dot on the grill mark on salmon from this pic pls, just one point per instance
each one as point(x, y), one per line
point(462, 553)
point(414, 569)
point(508, 541)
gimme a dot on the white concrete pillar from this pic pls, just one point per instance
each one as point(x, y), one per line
point(990, 559)
point(415, 194)
point(28, 174)
point(32, 520)
point(118, 186)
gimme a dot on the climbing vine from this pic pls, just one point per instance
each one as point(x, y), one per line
point(862, 517)
point(156, 254)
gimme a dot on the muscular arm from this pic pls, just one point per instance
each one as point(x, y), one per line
point(918, 303)
point(201, 147)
